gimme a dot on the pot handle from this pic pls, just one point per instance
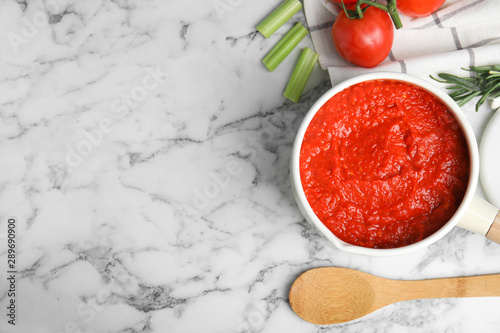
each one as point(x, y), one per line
point(483, 218)
point(494, 232)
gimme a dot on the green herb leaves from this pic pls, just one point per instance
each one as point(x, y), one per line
point(485, 82)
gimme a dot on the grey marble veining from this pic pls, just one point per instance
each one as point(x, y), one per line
point(145, 157)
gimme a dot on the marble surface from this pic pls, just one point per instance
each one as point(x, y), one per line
point(145, 154)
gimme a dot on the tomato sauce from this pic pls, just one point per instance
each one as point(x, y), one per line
point(384, 164)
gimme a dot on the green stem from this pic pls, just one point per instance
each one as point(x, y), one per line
point(393, 11)
point(278, 17)
point(281, 50)
point(301, 74)
point(390, 8)
point(359, 11)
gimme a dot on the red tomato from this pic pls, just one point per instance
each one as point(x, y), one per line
point(364, 42)
point(416, 8)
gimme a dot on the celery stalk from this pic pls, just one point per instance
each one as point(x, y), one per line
point(301, 74)
point(278, 17)
point(281, 50)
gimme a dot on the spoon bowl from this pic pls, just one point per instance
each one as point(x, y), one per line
point(333, 295)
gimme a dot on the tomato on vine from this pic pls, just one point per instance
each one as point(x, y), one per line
point(419, 8)
point(365, 42)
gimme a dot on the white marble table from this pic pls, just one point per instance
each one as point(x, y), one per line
point(145, 154)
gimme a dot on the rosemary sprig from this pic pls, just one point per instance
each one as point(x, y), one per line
point(485, 82)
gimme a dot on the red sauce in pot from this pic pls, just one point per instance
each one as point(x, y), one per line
point(384, 164)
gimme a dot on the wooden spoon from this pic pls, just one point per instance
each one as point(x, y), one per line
point(332, 295)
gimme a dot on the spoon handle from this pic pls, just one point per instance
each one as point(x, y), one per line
point(469, 286)
point(494, 232)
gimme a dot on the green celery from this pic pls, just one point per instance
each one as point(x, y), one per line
point(301, 74)
point(278, 17)
point(281, 50)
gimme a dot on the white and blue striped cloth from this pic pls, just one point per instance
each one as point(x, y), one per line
point(460, 34)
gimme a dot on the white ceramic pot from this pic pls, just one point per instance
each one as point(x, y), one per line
point(473, 214)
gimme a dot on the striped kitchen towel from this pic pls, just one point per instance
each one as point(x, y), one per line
point(461, 33)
